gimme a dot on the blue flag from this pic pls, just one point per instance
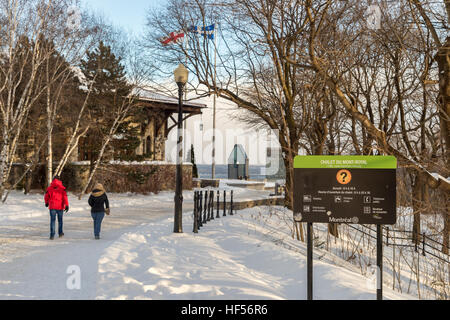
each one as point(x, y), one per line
point(205, 31)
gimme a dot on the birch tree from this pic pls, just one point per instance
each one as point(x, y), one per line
point(25, 52)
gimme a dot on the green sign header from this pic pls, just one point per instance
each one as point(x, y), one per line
point(330, 162)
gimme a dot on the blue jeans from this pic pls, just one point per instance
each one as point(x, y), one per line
point(53, 214)
point(98, 217)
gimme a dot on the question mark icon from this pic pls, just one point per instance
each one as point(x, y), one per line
point(343, 176)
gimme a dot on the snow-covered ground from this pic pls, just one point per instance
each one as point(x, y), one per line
point(245, 256)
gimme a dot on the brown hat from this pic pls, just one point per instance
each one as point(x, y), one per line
point(98, 190)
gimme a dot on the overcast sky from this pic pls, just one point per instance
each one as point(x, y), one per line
point(131, 16)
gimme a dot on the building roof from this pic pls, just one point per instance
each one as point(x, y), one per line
point(160, 101)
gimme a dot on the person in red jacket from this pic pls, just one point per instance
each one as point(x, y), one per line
point(56, 200)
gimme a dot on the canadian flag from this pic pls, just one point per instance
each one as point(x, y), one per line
point(173, 37)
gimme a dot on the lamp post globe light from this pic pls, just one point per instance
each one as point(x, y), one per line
point(181, 77)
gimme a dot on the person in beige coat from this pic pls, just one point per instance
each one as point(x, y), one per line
point(99, 203)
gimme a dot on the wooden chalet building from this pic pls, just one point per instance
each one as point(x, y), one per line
point(154, 130)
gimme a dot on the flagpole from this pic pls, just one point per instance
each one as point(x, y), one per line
point(213, 166)
point(185, 94)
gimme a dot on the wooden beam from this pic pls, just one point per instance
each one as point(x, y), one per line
point(176, 123)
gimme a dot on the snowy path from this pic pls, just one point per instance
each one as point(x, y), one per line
point(240, 257)
point(33, 267)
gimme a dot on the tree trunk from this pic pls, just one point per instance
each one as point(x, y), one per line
point(28, 181)
point(289, 194)
point(3, 164)
point(417, 207)
point(333, 229)
point(94, 167)
point(446, 231)
point(4, 160)
point(49, 173)
point(443, 58)
point(444, 92)
point(288, 160)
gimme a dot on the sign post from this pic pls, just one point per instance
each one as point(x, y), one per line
point(345, 189)
point(379, 275)
point(309, 261)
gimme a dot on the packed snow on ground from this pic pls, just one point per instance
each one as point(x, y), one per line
point(230, 258)
point(139, 257)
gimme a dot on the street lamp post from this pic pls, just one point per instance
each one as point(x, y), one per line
point(181, 77)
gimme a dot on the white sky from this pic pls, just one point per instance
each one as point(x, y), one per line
point(228, 133)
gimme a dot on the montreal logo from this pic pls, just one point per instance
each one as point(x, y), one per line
point(353, 220)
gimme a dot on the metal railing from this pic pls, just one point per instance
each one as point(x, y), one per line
point(418, 255)
point(207, 204)
point(426, 245)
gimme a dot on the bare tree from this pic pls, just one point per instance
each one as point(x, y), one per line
point(433, 17)
point(251, 70)
point(300, 67)
point(317, 14)
point(34, 32)
point(324, 14)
